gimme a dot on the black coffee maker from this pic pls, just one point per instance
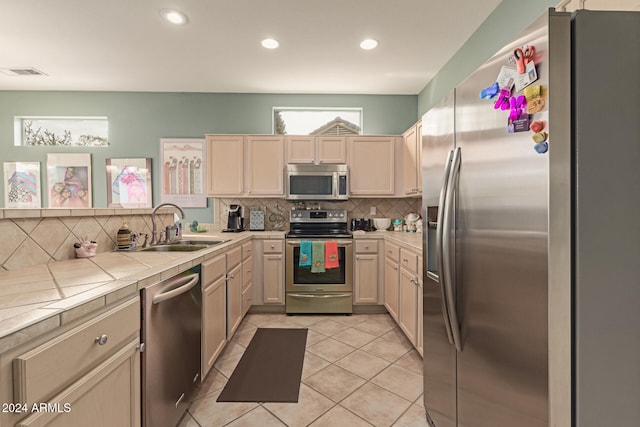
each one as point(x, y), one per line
point(235, 221)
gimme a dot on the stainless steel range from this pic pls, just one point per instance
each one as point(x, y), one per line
point(309, 291)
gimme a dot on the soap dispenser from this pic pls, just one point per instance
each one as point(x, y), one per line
point(124, 236)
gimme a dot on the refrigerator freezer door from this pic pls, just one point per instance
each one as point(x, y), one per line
point(439, 353)
point(501, 252)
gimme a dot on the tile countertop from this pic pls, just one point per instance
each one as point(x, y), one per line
point(35, 300)
point(38, 299)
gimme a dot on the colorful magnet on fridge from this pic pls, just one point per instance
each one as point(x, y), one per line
point(541, 147)
point(539, 137)
point(537, 126)
point(517, 107)
point(523, 58)
point(502, 102)
point(490, 91)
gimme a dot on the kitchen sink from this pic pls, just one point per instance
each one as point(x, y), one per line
point(184, 246)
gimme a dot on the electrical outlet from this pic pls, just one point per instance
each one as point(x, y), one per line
point(372, 210)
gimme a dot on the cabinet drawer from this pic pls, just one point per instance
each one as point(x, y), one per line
point(51, 366)
point(409, 260)
point(247, 272)
point(234, 256)
point(366, 246)
point(247, 250)
point(213, 269)
point(273, 246)
point(392, 251)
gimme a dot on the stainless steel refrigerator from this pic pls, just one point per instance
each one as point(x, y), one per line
point(532, 278)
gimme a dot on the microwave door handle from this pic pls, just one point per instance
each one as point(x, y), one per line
point(335, 185)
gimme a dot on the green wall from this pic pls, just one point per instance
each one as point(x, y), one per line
point(507, 20)
point(138, 120)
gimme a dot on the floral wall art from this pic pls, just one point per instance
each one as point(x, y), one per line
point(182, 166)
point(129, 183)
point(69, 180)
point(22, 185)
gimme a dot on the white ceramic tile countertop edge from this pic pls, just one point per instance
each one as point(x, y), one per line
point(14, 329)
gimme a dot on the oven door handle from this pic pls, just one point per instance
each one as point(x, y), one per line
point(319, 296)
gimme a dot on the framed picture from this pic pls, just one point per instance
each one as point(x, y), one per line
point(22, 185)
point(182, 172)
point(69, 180)
point(129, 183)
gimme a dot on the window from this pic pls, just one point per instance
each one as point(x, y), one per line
point(61, 131)
point(317, 121)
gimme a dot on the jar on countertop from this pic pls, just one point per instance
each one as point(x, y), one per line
point(124, 236)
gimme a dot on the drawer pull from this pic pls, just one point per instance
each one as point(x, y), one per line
point(272, 246)
point(102, 339)
point(366, 246)
point(405, 259)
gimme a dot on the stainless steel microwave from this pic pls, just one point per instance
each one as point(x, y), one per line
point(317, 182)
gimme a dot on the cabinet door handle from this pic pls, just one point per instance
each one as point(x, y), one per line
point(102, 339)
point(231, 276)
point(405, 260)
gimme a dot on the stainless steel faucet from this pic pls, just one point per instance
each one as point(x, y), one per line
point(154, 230)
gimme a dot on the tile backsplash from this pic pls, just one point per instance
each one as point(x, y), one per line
point(39, 239)
point(277, 210)
point(32, 237)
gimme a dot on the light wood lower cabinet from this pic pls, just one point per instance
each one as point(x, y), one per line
point(85, 374)
point(408, 311)
point(247, 284)
point(234, 300)
point(108, 395)
point(214, 311)
point(391, 287)
point(273, 272)
point(366, 272)
point(408, 316)
point(392, 279)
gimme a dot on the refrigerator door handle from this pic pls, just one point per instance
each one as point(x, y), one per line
point(439, 235)
point(446, 249)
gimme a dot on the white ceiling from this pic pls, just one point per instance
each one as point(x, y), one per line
point(124, 45)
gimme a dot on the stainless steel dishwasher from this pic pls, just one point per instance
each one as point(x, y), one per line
point(171, 331)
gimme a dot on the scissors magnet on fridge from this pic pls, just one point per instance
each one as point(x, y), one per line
point(523, 58)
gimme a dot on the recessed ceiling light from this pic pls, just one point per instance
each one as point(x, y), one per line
point(174, 16)
point(368, 44)
point(270, 43)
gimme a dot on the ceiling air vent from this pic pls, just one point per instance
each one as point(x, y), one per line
point(21, 72)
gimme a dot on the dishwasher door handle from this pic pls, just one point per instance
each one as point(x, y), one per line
point(178, 287)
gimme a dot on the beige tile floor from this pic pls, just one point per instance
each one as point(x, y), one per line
point(358, 370)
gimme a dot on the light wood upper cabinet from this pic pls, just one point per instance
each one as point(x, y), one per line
point(225, 165)
point(316, 149)
point(331, 149)
point(265, 166)
point(372, 165)
point(412, 160)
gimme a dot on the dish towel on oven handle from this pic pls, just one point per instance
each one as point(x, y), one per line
point(317, 257)
point(331, 255)
point(305, 253)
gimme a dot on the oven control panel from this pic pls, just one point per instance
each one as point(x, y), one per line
point(318, 215)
